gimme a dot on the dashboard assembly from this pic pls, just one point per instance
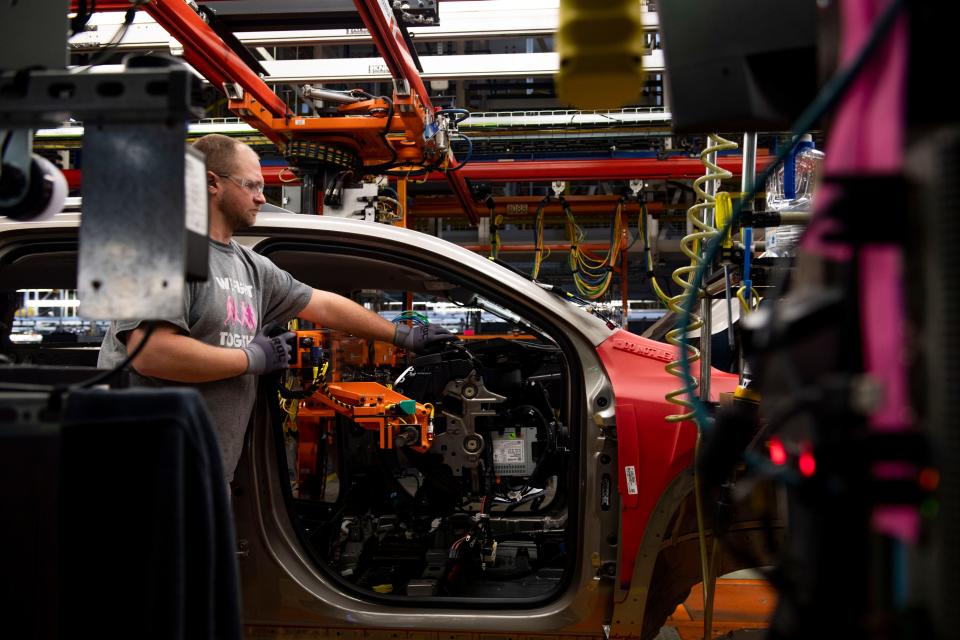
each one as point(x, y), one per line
point(439, 476)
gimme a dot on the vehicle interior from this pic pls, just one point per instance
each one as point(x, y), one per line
point(479, 509)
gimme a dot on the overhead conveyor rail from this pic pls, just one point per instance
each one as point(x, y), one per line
point(461, 21)
point(479, 122)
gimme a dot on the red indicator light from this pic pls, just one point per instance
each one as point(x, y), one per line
point(808, 465)
point(929, 479)
point(778, 455)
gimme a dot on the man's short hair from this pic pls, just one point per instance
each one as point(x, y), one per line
point(220, 150)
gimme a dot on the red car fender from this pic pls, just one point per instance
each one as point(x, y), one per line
point(651, 452)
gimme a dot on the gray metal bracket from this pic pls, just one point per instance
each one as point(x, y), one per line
point(144, 227)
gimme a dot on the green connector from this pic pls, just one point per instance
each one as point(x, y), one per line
point(408, 407)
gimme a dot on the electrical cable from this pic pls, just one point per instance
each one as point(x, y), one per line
point(333, 194)
point(118, 37)
point(496, 223)
point(417, 318)
point(393, 201)
point(384, 166)
point(648, 255)
point(324, 387)
point(436, 165)
point(106, 375)
point(424, 170)
point(746, 294)
point(465, 113)
point(592, 275)
point(79, 21)
point(709, 588)
point(539, 253)
point(7, 137)
point(463, 163)
point(385, 212)
point(280, 177)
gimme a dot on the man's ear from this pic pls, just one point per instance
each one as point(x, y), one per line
point(212, 185)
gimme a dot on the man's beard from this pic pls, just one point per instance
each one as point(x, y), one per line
point(239, 221)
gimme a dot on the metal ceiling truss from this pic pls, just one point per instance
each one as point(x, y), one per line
point(315, 22)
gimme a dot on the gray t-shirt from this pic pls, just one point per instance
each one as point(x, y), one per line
point(244, 292)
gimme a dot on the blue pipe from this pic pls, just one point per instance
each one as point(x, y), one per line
point(747, 248)
point(790, 169)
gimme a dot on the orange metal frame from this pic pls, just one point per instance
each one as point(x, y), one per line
point(361, 128)
point(260, 107)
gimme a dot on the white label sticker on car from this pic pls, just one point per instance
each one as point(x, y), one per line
point(195, 188)
point(508, 452)
point(631, 474)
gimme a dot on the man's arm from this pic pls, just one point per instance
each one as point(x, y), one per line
point(170, 355)
point(336, 312)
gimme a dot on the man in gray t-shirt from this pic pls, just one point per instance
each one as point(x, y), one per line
point(216, 344)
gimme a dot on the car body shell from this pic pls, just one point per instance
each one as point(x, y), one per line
point(623, 439)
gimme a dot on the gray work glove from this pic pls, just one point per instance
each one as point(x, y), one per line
point(419, 338)
point(266, 354)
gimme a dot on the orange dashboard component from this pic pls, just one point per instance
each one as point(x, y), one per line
point(401, 422)
point(384, 354)
point(349, 352)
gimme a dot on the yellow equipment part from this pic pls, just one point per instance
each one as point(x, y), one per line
point(600, 43)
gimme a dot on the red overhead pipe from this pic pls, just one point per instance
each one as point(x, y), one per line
point(526, 206)
point(675, 168)
point(596, 169)
point(543, 170)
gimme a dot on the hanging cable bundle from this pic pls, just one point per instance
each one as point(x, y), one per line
point(539, 253)
point(592, 275)
point(648, 255)
point(496, 223)
point(684, 276)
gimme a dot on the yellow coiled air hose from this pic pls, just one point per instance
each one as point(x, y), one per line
point(697, 215)
point(690, 246)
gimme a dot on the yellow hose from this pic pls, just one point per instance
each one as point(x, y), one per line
point(497, 223)
point(697, 215)
point(539, 253)
point(644, 234)
point(709, 565)
point(751, 303)
point(690, 246)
